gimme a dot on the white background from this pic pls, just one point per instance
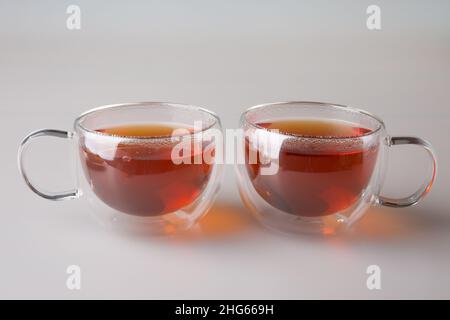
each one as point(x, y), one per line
point(225, 56)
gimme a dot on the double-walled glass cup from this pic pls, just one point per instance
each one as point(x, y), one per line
point(317, 183)
point(152, 183)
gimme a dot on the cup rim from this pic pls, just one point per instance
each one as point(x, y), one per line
point(380, 122)
point(77, 122)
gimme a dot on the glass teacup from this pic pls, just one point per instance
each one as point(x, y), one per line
point(317, 167)
point(127, 168)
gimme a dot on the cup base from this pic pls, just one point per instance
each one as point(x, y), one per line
point(164, 225)
point(277, 220)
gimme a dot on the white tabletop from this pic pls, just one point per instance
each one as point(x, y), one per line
point(225, 56)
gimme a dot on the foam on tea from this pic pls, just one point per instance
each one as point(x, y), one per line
point(322, 168)
point(137, 176)
point(316, 128)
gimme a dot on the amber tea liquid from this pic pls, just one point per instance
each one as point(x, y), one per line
point(313, 183)
point(137, 176)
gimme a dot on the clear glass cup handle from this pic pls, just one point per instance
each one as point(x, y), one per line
point(71, 194)
point(425, 187)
